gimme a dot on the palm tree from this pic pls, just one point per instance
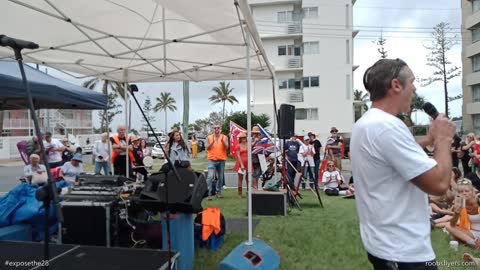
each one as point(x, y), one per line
point(359, 95)
point(115, 86)
point(417, 104)
point(222, 94)
point(164, 103)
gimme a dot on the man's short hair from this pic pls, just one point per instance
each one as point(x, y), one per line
point(378, 78)
point(121, 127)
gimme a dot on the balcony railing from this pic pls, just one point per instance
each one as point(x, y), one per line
point(294, 28)
point(295, 96)
point(17, 124)
point(24, 123)
point(294, 62)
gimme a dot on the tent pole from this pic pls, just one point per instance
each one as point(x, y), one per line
point(127, 128)
point(186, 109)
point(274, 133)
point(249, 143)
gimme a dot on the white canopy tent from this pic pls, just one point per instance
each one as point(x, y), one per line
point(142, 41)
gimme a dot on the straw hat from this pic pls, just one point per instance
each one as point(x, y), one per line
point(242, 135)
point(255, 130)
point(134, 138)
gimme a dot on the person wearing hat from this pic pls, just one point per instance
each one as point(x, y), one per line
point(317, 145)
point(33, 167)
point(242, 162)
point(257, 169)
point(54, 149)
point(73, 168)
point(216, 146)
point(306, 153)
point(137, 151)
point(334, 148)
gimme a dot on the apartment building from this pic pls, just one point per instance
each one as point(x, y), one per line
point(19, 122)
point(471, 65)
point(310, 44)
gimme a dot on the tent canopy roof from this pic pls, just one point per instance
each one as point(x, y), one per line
point(47, 91)
point(139, 41)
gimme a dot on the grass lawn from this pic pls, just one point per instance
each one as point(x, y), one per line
point(314, 238)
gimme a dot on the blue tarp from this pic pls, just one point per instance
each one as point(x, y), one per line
point(20, 206)
point(48, 92)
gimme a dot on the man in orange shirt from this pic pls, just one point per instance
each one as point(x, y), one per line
point(217, 144)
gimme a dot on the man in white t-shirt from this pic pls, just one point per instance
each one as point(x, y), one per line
point(54, 149)
point(393, 174)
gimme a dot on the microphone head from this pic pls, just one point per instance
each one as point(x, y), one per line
point(430, 109)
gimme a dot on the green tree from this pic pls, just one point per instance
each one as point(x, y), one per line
point(443, 41)
point(147, 109)
point(113, 108)
point(381, 46)
point(164, 103)
point(106, 84)
point(241, 119)
point(223, 93)
point(360, 106)
point(177, 125)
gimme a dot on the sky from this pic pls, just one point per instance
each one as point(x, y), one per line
point(406, 25)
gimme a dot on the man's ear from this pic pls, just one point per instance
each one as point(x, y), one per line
point(395, 85)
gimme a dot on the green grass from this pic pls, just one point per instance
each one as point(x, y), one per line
point(314, 238)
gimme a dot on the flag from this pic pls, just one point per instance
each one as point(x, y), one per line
point(265, 145)
point(235, 130)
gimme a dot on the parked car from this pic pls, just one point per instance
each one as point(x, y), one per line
point(157, 151)
point(87, 149)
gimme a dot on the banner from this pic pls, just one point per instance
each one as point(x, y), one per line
point(235, 130)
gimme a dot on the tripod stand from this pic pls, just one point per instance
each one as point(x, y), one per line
point(48, 192)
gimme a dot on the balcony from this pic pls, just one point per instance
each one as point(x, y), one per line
point(77, 123)
point(295, 28)
point(294, 62)
point(295, 96)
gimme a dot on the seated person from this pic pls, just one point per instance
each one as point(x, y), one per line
point(466, 213)
point(442, 205)
point(331, 179)
point(33, 167)
point(474, 177)
point(71, 169)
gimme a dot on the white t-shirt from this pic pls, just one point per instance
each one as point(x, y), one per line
point(393, 212)
point(70, 172)
point(53, 156)
point(100, 149)
point(331, 176)
point(304, 148)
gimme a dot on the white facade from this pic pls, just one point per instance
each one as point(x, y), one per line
point(310, 44)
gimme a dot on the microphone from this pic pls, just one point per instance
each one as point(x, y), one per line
point(429, 109)
point(17, 43)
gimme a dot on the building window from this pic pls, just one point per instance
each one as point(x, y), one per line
point(476, 62)
point(306, 82)
point(284, 16)
point(314, 81)
point(476, 93)
point(6, 133)
point(475, 5)
point(311, 47)
point(282, 84)
point(306, 114)
point(476, 123)
point(347, 45)
point(310, 12)
point(476, 34)
point(282, 50)
point(348, 84)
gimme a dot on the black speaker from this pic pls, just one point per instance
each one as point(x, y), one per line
point(286, 121)
point(185, 195)
point(86, 224)
point(102, 180)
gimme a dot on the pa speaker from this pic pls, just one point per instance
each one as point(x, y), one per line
point(286, 123)
point(258, 256)
point(185, 194)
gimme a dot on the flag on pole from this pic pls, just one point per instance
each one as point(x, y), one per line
point(265, 145)
point(235, 130)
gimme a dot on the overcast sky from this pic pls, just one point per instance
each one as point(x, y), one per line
point(406, 26)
